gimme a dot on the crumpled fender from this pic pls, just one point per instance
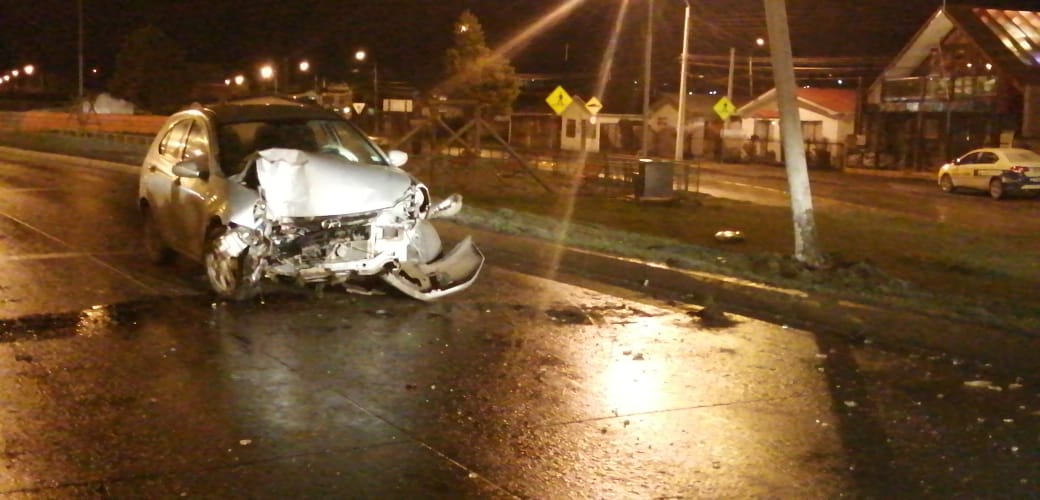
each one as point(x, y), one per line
point(452, 273)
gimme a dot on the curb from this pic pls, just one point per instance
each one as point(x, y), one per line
point(1008, 352)
point(38, 157)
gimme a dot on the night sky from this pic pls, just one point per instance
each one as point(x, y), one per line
point(409, 38)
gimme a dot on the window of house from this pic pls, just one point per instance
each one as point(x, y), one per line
point(812, 131)
point(762, 128)
point(572, 128)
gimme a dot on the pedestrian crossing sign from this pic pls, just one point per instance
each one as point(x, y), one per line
point(559, 99)
point(724, 108)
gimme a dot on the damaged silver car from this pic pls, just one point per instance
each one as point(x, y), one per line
point(275, 190)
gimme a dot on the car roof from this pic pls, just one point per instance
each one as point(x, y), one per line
point(1002, 150)
point(265, 109)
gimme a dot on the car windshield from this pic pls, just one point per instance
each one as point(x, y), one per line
point(237, 141)
point(1023, 155)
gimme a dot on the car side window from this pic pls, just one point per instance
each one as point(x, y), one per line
point(988, 158)
point(197, 143)
point(172, 144)
point(968, 159)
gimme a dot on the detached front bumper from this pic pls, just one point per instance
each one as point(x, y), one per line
point(454, 272)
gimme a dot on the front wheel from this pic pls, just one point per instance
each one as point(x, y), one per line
point(996, 189)
point(228, 274)
point(946, 184)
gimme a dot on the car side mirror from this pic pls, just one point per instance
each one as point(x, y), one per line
point(397, 158)
point(194, 168)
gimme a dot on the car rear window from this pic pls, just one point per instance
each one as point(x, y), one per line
point(1023, 156)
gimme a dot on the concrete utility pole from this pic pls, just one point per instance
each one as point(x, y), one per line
point(729, 82)
point(806, 246)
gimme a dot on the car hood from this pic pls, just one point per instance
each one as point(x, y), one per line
point(300, 184)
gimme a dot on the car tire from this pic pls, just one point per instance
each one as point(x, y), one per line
point(157, 251)
point(996, 189)
point(226, 275)
point(946, 184)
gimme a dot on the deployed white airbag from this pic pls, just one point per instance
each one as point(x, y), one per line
point(300, 184)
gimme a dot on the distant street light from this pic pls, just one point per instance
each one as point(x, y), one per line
point(760, 42)
point(267, 73)
point(305, 67)
point(29, 69)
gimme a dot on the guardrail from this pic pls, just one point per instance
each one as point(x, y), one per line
point(54, 121)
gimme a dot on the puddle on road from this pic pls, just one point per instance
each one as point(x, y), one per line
point(92, 321)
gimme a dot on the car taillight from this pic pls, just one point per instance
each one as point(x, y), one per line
point(1018, 169)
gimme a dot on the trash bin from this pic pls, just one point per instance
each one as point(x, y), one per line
point(654, 180)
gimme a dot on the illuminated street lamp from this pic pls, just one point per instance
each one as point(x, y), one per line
point(29, 69)
point(239, 79)
point(760, 42)
point(305, 68)
point(267, 73)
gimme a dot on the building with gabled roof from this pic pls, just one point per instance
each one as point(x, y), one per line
point(701, 128)
point(970, 77)
point(828, 117)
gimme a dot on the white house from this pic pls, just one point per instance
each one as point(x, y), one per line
point(580, 129)
point(701, 127)
point(828, 116)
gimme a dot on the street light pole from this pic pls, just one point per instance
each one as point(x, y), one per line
point(680, 119)
point(360, 56)
point(647, 55)
point(79, 50)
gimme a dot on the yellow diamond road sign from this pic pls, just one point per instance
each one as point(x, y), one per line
point(594, 106)
point(724, 108)
point(558, 100)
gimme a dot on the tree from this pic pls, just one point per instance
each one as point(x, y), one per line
point(477, 73)
point(151, 71)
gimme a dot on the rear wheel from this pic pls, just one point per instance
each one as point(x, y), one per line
point(157, 251)
point(946, 184)
point(228, 275)
point(996, 189)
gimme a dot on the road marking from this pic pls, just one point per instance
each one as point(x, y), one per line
point(61, 255)
point(92, 257)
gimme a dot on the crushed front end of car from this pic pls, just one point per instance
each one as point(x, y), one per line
point(322, 220)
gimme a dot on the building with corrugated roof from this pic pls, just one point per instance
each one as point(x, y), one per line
point(970, 77)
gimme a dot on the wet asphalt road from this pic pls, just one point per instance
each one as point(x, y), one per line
point(122, 380)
